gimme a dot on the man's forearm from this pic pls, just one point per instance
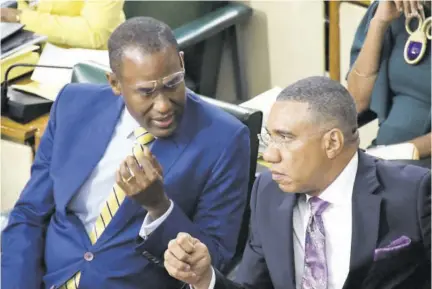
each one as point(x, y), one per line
point(423, 145)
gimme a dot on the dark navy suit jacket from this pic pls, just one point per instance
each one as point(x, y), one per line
point(389, 202)
point(206, 168)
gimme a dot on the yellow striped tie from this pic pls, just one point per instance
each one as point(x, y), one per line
point(112, 204)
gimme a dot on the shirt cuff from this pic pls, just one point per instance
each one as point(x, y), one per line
point(212, 282)
point(149, 225)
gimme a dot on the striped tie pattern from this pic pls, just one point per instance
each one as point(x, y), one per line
point(113, 202)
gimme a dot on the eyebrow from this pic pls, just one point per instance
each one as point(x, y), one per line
point(281, 132)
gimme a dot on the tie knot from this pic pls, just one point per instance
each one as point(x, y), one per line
point(142, 136)
point(317, 206)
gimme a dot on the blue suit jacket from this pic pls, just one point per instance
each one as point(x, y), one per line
point(389, 201)
point(206, 169)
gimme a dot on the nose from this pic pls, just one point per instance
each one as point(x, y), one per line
point(272, 154)
point(162, 104)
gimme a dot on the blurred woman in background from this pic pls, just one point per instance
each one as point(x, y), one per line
point(391, 71)
point(74, 23)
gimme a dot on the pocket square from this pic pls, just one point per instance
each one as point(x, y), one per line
point(395, 246)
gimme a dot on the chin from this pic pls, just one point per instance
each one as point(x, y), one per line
point(288, 188)
point(164, 132)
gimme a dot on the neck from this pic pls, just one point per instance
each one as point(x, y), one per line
point(336, 168)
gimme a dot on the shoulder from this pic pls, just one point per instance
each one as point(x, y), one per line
point(402, 187)
point(84, 93)
point(400, 176)
point(78, 98)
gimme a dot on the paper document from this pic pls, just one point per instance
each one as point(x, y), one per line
point(43, 90)
point(18, 41)
point(263, 102)
point(404, 151)
point(27, 55)
point(54, 55)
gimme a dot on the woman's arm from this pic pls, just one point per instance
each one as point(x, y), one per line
point(366, 51)
point(423, 145)
point(361, 78)
point(91, 29)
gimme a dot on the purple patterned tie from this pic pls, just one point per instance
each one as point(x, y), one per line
point(315, 264)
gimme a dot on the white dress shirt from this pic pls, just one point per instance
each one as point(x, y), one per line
point(337, 220)
point(91, 197)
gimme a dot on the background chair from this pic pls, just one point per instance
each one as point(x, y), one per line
point(201, 28)
point(89, 73)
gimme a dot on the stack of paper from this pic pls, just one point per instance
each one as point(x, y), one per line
point(28, 55)
point(404, 151)
point(19, 40)
point(53, 55)
point(43, 90)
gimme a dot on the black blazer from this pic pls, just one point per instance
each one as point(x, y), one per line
point(390, 201)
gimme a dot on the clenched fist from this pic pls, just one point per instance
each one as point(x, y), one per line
point(188, 260)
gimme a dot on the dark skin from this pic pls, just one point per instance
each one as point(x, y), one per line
point(305, 158)
point(160, 112)
point(9, 15)
point(310, 157)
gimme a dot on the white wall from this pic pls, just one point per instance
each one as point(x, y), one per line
point(16, 160)
point(284, 42)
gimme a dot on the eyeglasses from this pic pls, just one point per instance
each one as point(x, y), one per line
point(278, 141)
point(171, 81)
point(281, 141)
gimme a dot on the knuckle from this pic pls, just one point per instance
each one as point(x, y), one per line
point(130, 159)
point(182, 256)
point(171, 245)
point(175, 272)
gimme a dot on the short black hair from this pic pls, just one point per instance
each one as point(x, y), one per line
point(329, 101)
point(145, 33)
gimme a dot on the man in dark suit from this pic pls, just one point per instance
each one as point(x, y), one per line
point(121, 169)
point(327, 215)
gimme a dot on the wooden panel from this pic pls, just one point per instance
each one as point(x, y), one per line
point(334, 36)
point(334, 57)
point(41, 126)
point(22, 132)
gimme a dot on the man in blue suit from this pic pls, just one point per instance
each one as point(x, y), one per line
point(121, 169)
point(327, 215)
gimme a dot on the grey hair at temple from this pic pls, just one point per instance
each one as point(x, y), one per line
point(331, 105)
point(144, 33)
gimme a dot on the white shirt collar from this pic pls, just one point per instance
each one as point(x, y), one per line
point(127, 123)
point(340, 190)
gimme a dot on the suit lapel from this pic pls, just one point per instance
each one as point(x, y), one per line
point(286, 253)
point(366, 205)
point(92, 141)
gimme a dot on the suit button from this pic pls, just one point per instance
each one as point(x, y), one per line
point(88, 256)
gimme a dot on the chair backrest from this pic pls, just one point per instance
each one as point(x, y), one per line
point(173, 13)
point(90, 73)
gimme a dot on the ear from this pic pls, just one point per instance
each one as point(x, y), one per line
point(114, 82)
point(333, 143)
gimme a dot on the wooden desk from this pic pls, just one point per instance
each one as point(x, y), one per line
point(41, 124)
point(24, 133)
